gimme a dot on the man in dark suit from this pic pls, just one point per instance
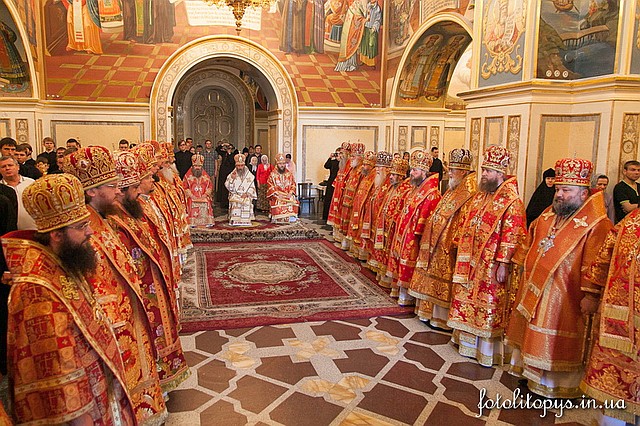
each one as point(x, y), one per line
point(49, 153)
point(333, 165)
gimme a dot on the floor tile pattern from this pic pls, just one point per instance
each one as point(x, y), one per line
point(378, 371)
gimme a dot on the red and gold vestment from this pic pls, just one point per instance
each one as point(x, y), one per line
point(371, 210)
point(336, 202)
point(547, 325)
point(63, 356)
point(153, 264)
point(420, 202)
point(493, 227)
point(349, 193)
point(432, 279)
point(360, 200)
point(116, 288)
point(384, 230)
point(281, 193)
point(199, 207)
point(613, 370)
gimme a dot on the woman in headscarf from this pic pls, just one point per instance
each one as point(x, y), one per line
point(542, 197)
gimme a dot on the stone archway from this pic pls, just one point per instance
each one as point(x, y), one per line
point(209, 47)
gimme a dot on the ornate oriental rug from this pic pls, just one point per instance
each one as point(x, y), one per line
point(237, 285)
point(261, 230)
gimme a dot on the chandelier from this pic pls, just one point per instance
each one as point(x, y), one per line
point(238, 7)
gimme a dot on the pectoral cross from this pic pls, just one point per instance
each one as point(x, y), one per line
point(546, 243)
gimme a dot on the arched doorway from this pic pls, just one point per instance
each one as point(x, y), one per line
point(236, 56)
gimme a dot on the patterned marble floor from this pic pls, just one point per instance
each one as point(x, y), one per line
point(377, 371)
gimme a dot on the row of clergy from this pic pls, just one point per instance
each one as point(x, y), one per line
point(93, 311)
point(559, 303)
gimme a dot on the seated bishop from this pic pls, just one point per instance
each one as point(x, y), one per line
point(281, 193)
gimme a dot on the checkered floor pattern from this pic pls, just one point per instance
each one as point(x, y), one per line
point(125, 71)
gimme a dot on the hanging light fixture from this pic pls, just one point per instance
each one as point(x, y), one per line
point(239, 7)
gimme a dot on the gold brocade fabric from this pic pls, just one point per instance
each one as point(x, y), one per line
point(432, 278)
point(60, 343)
point(348, 195)
point(613, 370)
point(371, 211)
point(419, 204)
point(357, 212)
point(116, 286)
point(547, 324)
point(494, 225)
point(281, 193)
point(338, 191)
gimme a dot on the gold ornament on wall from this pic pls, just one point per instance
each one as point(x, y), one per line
point(503, 24)
point(238, 7)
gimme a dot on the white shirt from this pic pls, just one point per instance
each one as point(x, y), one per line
point(25, 221)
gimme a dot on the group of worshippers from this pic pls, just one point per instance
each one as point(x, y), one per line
point(93, 317)
point(557, 302)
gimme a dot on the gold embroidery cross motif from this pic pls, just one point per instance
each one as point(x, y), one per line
point(69, 289)
point(580, 222)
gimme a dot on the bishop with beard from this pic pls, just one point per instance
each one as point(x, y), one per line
point(281, 193)
point(198, 188)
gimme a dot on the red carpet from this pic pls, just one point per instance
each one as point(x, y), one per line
point(260, 283)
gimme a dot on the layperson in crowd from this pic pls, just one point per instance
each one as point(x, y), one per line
point(27, 164)
point(55, 317)
point(350, 186)
point(291, 165)
point(432, 279)
point(59, 160)
point(242, 192)
point(262, 175)
point(116, 283)
point(281, 193)
point(363, 189)
point(547, 330)
point(493, 227)
point(437, 166)
point(626, 193)
point(210, 164)
point(42, 164)
point(419, 203)
point(9, 171)
point(542, 197)
point(183, 158)
point(379, 190)
point(73, 143)
point(338, 189)
point(333, 165)
point(601, 183)
point(612, 370)
point(154, 267)
point(49, 153)
point(199, 191)
point(7, 147)
point(123, 145)
point(386, 221)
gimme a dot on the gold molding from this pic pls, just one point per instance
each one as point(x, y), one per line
point(474, 142)
point(629, 140)
point(224, 46)
point(22, 130)
point(513, 141)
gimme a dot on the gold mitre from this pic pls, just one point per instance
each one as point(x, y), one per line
point(55, 201)
point(399, 166)
point(197, 160)
point(460, 159)
point(92, 165)
point(421, 159)
point(146, 153)
point(281, 158)
point(383, 159)
point(369, 158)
point(127, 168)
